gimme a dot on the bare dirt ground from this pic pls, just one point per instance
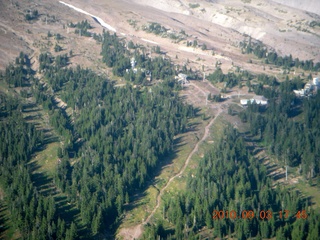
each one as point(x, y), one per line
point(220, 25)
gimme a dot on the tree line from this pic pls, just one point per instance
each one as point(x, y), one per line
point(271, 57)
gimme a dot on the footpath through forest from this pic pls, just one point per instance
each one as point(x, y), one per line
point(136, 231)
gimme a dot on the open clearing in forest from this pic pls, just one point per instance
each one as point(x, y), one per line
point(277, 172)
point(175, 182)
point(142, 204)
point(307, 191)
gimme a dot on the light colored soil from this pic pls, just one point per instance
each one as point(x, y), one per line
point(220, 25)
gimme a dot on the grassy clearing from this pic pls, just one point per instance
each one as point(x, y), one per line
point(138, 210)
point(142, 205)
point(308, 191)
point(47, 159)
point(179, 184)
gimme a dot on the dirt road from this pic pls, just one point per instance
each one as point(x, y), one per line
point(136, 231)
point(195, 149)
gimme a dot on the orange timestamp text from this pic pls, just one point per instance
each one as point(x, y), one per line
point(250, 214)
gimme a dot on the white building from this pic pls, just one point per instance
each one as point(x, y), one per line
point(182, 78)
point(260, 100)
point(310, 86)
point(300, 92)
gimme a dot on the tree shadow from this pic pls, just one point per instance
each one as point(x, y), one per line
point(30, 107)
point(3, 219)
point(42, 182)
point(197, 111)
point(271, 167)
point(135, 200)
point(70, 213)
point(257, 150)
point(50, 139)
point(31, 118)
point(278, 176)
point(192, 127)
point(66, 209)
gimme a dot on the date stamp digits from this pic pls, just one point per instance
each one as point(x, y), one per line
point(250, 214)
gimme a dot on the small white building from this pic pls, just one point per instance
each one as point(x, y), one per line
point(316, 81)
point(309, 87)
point(244, 101)
point(182, 78)
point(260, 100)
point(300, 92)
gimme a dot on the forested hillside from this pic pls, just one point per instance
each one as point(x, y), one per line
point(113, 140)
point(32, 213)
point(232, 195)
point(289, 127)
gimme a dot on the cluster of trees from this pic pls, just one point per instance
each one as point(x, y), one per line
point(155, 28)
point(57, 48)
point(82, 28)
point(32, 213)
point(32, 15)
point(314, 24)
point(271, 57)
point(230, 79)
point(46, 61)
point(229, 178)
point(18, 75)
point(115, 55)
point(290, 138)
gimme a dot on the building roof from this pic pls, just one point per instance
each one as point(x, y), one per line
point(256, 100)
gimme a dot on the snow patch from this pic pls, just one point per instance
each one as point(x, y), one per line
point(256, 33)
point(102, 23)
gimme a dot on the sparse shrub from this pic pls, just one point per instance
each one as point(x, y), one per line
point(57, 48)
point(194, 5)
point(58, 36)
point(32, 15)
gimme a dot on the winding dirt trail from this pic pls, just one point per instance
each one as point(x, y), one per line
point(195, 149)
point(136, 231)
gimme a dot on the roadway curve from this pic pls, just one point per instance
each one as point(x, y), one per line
point(135, 232)
point(195, 149)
